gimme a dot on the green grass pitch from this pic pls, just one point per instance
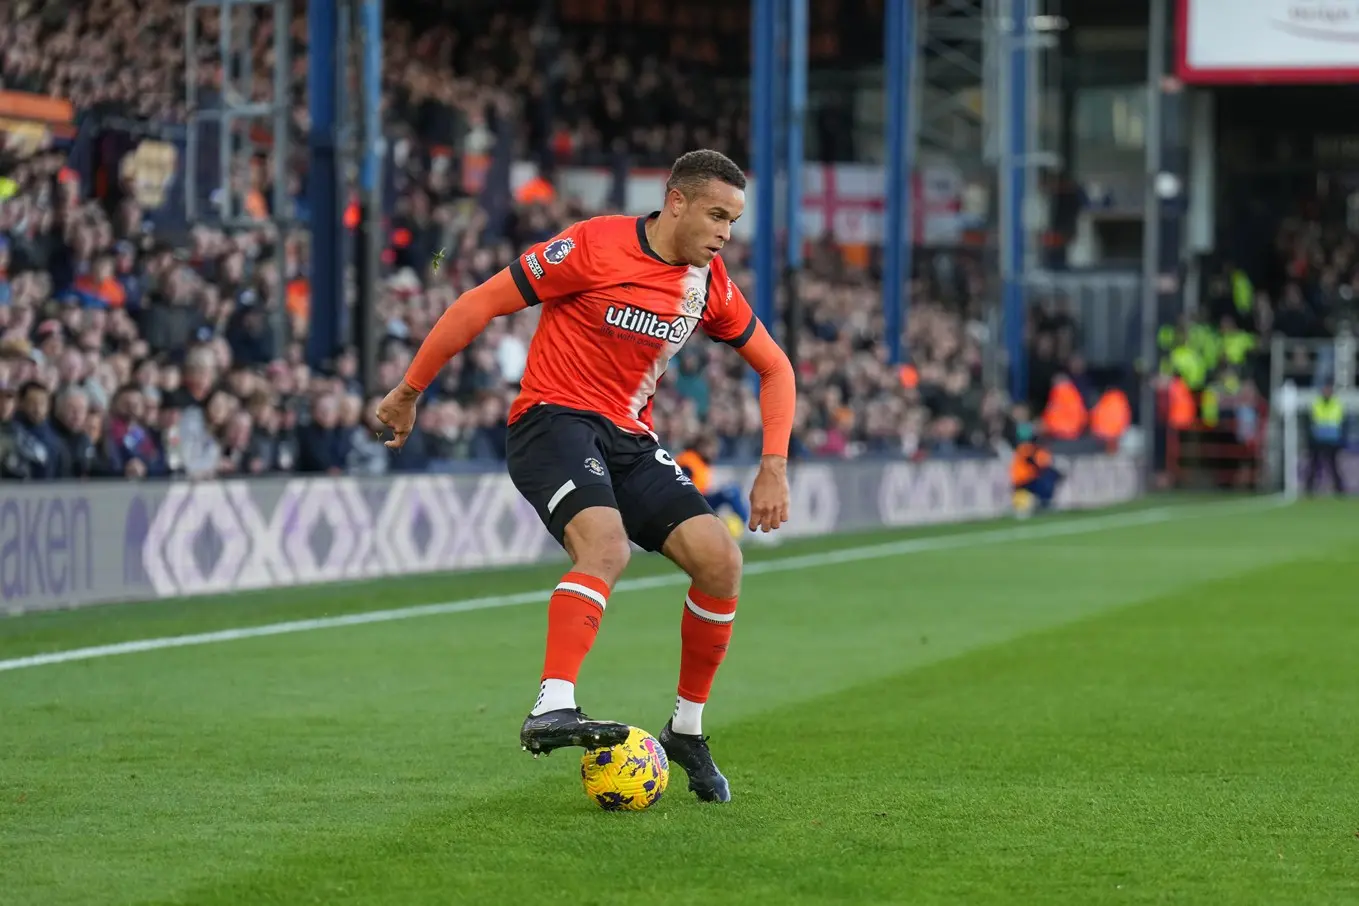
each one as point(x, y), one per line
point(1154, 711)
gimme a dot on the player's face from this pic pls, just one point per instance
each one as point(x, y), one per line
point(706, 220)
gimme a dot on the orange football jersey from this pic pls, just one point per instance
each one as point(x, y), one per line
point(614, 313)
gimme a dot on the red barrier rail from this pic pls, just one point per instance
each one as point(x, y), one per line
point(1216, 453)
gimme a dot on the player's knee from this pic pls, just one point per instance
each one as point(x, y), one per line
point(598, 543)
point(611, 555)
point(605, 556)
point(716, 570)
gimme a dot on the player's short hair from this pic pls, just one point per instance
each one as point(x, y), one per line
point(693, 169)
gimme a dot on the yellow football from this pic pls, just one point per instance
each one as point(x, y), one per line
point(630, 776)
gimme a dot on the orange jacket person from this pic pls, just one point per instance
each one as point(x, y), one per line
point(696, 462)
point(1032, 470)
point(1065, 416)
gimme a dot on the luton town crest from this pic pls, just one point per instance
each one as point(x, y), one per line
point(693, 301)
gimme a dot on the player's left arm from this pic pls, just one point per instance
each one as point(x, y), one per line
point(732, 321)
point(778, 400)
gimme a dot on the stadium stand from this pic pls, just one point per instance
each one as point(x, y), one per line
point(134, 346)
point(1271, 312)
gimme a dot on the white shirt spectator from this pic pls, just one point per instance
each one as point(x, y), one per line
point(512, 357)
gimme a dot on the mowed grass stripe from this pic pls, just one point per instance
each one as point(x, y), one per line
point(1182, 750)
point(906, 547)
point(322, 752)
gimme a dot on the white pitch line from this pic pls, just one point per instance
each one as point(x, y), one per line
point(884, 550)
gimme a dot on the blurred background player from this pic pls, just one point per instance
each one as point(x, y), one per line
point(696, 462)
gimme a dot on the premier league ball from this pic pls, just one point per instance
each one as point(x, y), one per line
point(627, 777)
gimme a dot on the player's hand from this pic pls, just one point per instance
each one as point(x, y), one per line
point(769, 495)
point(397, 411)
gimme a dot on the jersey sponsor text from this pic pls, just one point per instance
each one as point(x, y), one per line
point(649, 324)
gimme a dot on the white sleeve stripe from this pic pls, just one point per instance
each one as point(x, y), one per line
point(709, 615)
point(560, 493)
point(584, 591)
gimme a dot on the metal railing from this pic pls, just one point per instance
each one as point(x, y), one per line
point(1297, 369)
point(1104, 304)
point(1310, 363)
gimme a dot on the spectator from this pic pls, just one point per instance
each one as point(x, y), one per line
point(78, 456)
point(368, 454)
point(186, 341)
point(39, 448)
point(323, 445)
point(237, 434)
point(273, 448)
point(131, 446)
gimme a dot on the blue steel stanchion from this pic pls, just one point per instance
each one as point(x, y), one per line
point(367, 332)
point(1014, 165)
point(371, 166)
point(763, 26)
point(897, 240)
point(797, 107)
point(764, 71)
point(323, 182)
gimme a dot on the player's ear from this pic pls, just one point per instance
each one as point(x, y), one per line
point(675, 200)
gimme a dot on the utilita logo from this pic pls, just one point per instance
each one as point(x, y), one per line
point(649, 324)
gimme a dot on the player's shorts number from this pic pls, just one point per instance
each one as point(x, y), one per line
point(665, 458)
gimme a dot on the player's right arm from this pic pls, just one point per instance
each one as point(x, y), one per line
point(550, 270)
point(547, 271)
point(557, 268)
point(460, 324)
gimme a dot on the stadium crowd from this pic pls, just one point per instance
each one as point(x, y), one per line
point(125, 352)
point(1302, 286)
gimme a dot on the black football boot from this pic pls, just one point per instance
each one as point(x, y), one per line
point(569, 727)
point(692, 754)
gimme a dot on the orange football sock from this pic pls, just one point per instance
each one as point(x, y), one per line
point(705, 631)
point(573, 617)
